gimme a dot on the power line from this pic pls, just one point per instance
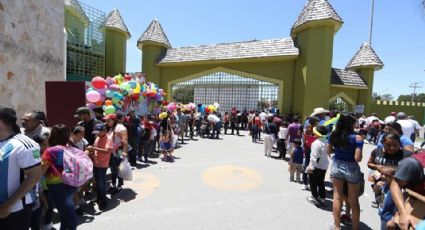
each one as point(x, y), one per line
point(415, 85)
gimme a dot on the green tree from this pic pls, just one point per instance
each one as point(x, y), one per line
point(387, 97)
point(408, 97)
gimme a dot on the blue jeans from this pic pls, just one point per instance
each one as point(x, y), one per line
point(99, 175)
point(349, 171)
point(62, 196)
point(306, 162)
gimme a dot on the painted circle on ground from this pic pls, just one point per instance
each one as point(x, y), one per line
point(144, 184)
point(232, 178)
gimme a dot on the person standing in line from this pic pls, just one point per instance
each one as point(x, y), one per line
point(416, 126)
point(226, 122)
point(133, 125)
point(296, 161)
point(52, 166)
point(83, 114)
point(270, 131)
point(101, 153)
point(18, 154)
point(281, 142)
point(317, 167)
point(256, 127)
point(294, 132)
point(347, 147)
point(33, 125)
point(407, 126)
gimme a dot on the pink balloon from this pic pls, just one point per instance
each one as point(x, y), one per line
point(101, 91)
point(114, 87)
point(109, 81)
point(93, 96)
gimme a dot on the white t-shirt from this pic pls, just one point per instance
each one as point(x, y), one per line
point(117, 139)
point(416, 124)
point(407, 127)
point(16, 154)
point(283, 132)
point(370, 119)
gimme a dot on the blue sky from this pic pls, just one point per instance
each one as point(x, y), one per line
point(398, 38)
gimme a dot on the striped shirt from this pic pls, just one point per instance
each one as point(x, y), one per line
point(17, 153)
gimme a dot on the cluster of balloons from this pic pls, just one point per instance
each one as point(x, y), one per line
point(119, 93)
point(209, 108)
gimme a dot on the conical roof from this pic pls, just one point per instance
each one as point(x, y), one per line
point(365, 57)
point(154, 33)
point(316, 10)
point(114, 20)
point(75, 7)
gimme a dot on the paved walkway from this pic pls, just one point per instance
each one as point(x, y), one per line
point(219, 184)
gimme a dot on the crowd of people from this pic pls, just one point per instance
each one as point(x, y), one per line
point(36, 160)
point(395, 165)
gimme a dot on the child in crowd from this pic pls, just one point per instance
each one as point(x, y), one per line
point(317, 167)
point(101, 153)
point(386, 210)
point(281, 142)
point(166, 146)
point(296, 161)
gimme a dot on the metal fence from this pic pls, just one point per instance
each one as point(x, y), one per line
point(85, 43)
point(228, 90)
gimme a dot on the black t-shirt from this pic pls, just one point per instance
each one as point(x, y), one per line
point(388, 159)
point(410, 171)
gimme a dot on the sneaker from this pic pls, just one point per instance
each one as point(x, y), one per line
point(291, 180)
point(312, 200)
point(305, 187)
point(322, 201)
point(345, 219)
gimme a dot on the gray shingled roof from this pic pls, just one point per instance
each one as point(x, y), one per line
point(237, 50)
point(114, 20)
point(75, 6)
point(347, 78)
point(154, 33)
point(365, 57)
point(316, 10)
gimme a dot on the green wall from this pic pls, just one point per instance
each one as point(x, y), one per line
point(384, 111)
point(278, 70)
point(352, 93)
point(313, 69)
point(365, 98)
point(151, 52)
point(115, 51)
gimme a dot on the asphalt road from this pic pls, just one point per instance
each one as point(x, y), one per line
point(219, 184)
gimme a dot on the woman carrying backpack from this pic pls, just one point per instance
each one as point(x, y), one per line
point(52, 166)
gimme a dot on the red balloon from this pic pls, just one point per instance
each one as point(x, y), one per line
point(98, 82)
point(207, 110)
point(135, 97)
point(127, 77)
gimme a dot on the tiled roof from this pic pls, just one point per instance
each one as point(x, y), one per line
point(316, 10)
point(76, 7)
point(114, 20)
point(154, 33)
point(237, 50)
point(365, 57)
point(347, 78)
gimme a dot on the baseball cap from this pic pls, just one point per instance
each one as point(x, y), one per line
point(98, 127)
point(8, 116)
point(110, 116)
point(81, 110)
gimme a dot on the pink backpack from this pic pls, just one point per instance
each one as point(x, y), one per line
point(77, 167)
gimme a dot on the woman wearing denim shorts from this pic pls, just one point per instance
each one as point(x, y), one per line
point(347, 148)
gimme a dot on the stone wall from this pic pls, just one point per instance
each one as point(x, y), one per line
point(31, 51)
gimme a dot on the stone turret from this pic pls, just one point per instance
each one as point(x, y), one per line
point(116, 35)
point(365, 62)
point(152, 43)
point(313, 33)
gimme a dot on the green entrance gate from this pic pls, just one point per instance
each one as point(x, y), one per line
point(229, 90)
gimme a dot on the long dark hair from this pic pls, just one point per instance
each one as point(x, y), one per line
point(395, 125)
point(59, 135)
point(344, 128)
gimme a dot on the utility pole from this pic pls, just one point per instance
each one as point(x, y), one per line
point(371, 21)
point(415, 85)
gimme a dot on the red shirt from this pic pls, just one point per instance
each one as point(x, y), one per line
point(101, 158)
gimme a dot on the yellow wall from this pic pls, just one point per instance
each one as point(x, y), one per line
point(115, 51)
